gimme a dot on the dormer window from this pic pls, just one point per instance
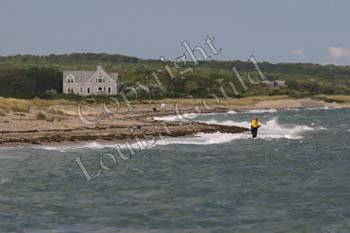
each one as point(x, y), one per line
point(70, 79)
point(100, 79)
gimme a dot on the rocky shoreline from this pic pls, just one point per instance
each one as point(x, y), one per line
point(110, 133)
point(63, 126)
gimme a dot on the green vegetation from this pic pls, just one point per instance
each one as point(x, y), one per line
point(41, 116)
point(41, 76)
point(333, 99)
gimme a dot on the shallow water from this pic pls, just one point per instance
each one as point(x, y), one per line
point(294, 178)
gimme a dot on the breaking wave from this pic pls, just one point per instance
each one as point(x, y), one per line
point(197, 139)
point(262, 111)
point(181, 117)
point(231, 112)
point(269, 130)
point(4, 180)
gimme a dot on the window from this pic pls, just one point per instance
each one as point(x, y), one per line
point(100, 79)
point(88, 90)
point(70, 90)
point(70, 79)
point(109, 90)
point(81, 90)
point(99, 88)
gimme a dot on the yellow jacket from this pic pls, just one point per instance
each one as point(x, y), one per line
point(255, 123)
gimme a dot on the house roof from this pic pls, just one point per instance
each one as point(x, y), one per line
point(83, 76)
point(80, 76)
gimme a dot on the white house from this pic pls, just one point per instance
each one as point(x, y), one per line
point(273, 84)
point(86, 83)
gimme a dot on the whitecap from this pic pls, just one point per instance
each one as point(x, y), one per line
point(166, 118)
point(270, 129)
point(231, 112)
point(204, 139)
point(197, 139)
point(322, 108)
point(4, 180)
point(272, 110)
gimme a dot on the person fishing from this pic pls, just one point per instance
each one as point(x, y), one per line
point(255, 126)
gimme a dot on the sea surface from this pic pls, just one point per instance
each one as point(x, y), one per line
point(294, 178)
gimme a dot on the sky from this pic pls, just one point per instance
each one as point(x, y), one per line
point(315, 31)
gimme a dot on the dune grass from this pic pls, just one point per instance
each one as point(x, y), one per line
point(333, 98)
point(68, 107)
point(21, 105)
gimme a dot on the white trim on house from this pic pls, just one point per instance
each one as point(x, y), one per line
point(84, 83)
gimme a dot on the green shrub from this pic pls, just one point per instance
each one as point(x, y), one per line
point(330, 99)
point(41, 116)
point(49, 94)
point(299, 94)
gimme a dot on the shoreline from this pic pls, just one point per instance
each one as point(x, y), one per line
point(139, 124)
point(156, 130)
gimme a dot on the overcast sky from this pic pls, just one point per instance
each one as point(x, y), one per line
point(273, 30)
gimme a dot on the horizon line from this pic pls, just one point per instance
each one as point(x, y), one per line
point(158, 59)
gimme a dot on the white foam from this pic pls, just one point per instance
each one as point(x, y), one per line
point(262, 111)
point(204, 139)
point(198, 139)
point(323, 108)
point(271, 129)
point(184, 117)
point(91, 145)
point(4, 180)
point(232, 112)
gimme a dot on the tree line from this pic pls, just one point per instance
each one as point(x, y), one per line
point(29, 76)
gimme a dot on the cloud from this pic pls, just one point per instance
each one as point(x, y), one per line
point(338, 53)
point(297, 52)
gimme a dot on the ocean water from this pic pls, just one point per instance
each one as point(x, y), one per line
point(294, 178)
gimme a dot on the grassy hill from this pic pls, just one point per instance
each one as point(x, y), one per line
point(28, 76)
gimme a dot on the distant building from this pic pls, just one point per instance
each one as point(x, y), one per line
point(273, 84)
point(86, 83)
